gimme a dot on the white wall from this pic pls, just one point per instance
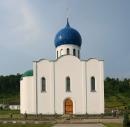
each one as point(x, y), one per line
point(62, 50)
point(27, 95)
point(45, 99)
point(70, 66)
point(95, 100)
point(55, 72)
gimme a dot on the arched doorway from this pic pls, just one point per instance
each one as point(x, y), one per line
point(68, 105)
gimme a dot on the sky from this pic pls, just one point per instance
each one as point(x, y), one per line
point(28, 29)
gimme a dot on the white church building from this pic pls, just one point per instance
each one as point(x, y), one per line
point(66, 85)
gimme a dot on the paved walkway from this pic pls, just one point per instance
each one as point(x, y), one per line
point(79, 125)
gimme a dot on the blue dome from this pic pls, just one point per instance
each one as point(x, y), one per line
point(68, 35)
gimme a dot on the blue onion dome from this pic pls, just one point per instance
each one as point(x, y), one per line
point(68, 35)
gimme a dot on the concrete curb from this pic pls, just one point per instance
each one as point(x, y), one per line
point(71, 121)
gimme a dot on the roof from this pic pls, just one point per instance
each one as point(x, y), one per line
point(27, 74)
point(68, 35)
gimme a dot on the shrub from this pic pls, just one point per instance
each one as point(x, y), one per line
point(126, 119)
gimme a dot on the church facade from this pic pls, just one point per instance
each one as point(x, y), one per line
point(66, 85)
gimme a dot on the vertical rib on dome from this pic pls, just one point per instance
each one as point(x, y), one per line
point(67, 25)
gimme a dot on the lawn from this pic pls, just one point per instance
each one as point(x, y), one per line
point(26, 125)
point(113, 125)
point(5, 114)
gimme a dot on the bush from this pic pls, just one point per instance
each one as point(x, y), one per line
point(129, 107)
point(126, 119)
point(108, 114)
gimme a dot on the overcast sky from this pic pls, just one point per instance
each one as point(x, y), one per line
point(28, 29)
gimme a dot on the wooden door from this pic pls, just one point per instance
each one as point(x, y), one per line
point(68, 106)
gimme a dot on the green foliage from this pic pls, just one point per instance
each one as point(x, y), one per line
point(128, 106)
point(10, 84)
point(5, 112)
point(117, 93)
point(116, 86)
point(9, 88)
point(126, 119)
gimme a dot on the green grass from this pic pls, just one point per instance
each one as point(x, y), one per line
point(7, 98)
point(113, 125)
point(25, 125)
point(118, 100)
point(5, 112)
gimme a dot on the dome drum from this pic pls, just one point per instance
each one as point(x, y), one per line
point(68, 49)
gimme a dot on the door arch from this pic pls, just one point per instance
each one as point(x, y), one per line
point(68, 106)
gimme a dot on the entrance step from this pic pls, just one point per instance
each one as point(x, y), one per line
point(67, 116)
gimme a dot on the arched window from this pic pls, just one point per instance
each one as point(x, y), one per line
point(68, 84)
point(43, 84)
point(92, 83)
point(68, 51)
point(74, 52)
point(57, 54)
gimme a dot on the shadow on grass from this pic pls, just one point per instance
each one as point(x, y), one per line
point(113, 125)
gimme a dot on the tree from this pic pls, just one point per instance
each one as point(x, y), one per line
point(126, 119)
